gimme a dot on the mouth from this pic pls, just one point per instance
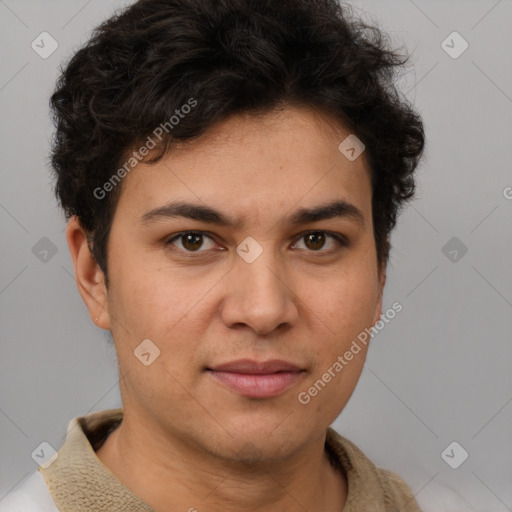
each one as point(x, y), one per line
point(255, 379)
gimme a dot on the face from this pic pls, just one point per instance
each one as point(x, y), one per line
point(251, 293)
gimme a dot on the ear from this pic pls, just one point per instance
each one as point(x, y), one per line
point(88, 275)
point(382, 283)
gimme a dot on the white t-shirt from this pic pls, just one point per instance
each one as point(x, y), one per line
point(31, 495)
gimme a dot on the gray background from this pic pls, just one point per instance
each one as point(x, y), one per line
point(439, 372)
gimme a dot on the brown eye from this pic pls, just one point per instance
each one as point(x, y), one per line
point(315, 241)
point(191, 241)
point(321, 242)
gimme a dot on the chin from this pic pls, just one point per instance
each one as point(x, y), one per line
point(263, 443)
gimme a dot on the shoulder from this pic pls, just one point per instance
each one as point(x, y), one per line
point(367, 479)
point(437, 497)
point(31, 495)
point(368, 484)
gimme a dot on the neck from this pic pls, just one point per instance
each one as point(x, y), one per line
point(168, 472)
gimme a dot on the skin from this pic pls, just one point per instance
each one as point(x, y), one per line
point(186, 439)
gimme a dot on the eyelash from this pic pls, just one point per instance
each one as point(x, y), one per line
point(341, 239)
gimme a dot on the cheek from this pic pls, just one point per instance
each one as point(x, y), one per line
point(149, 297)
point(169, 309)
point(160, 310)
point(345, 304)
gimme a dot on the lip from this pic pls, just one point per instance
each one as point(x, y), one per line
point(256, 379)
point(248, 366)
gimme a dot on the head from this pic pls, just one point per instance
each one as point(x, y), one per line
point(225, 119)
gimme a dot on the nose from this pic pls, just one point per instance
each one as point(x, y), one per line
point(258, 296)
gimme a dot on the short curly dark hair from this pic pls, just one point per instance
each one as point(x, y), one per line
point(234, 56)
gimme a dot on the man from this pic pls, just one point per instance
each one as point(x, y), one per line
point(231, 172)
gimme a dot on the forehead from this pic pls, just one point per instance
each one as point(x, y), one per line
point(249, 162)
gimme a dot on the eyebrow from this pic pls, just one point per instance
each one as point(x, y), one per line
point(334, 209)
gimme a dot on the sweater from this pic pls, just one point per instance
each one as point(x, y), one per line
point(78, 481)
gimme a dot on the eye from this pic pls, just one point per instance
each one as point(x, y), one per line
point(191, 241)
point(317, 240)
